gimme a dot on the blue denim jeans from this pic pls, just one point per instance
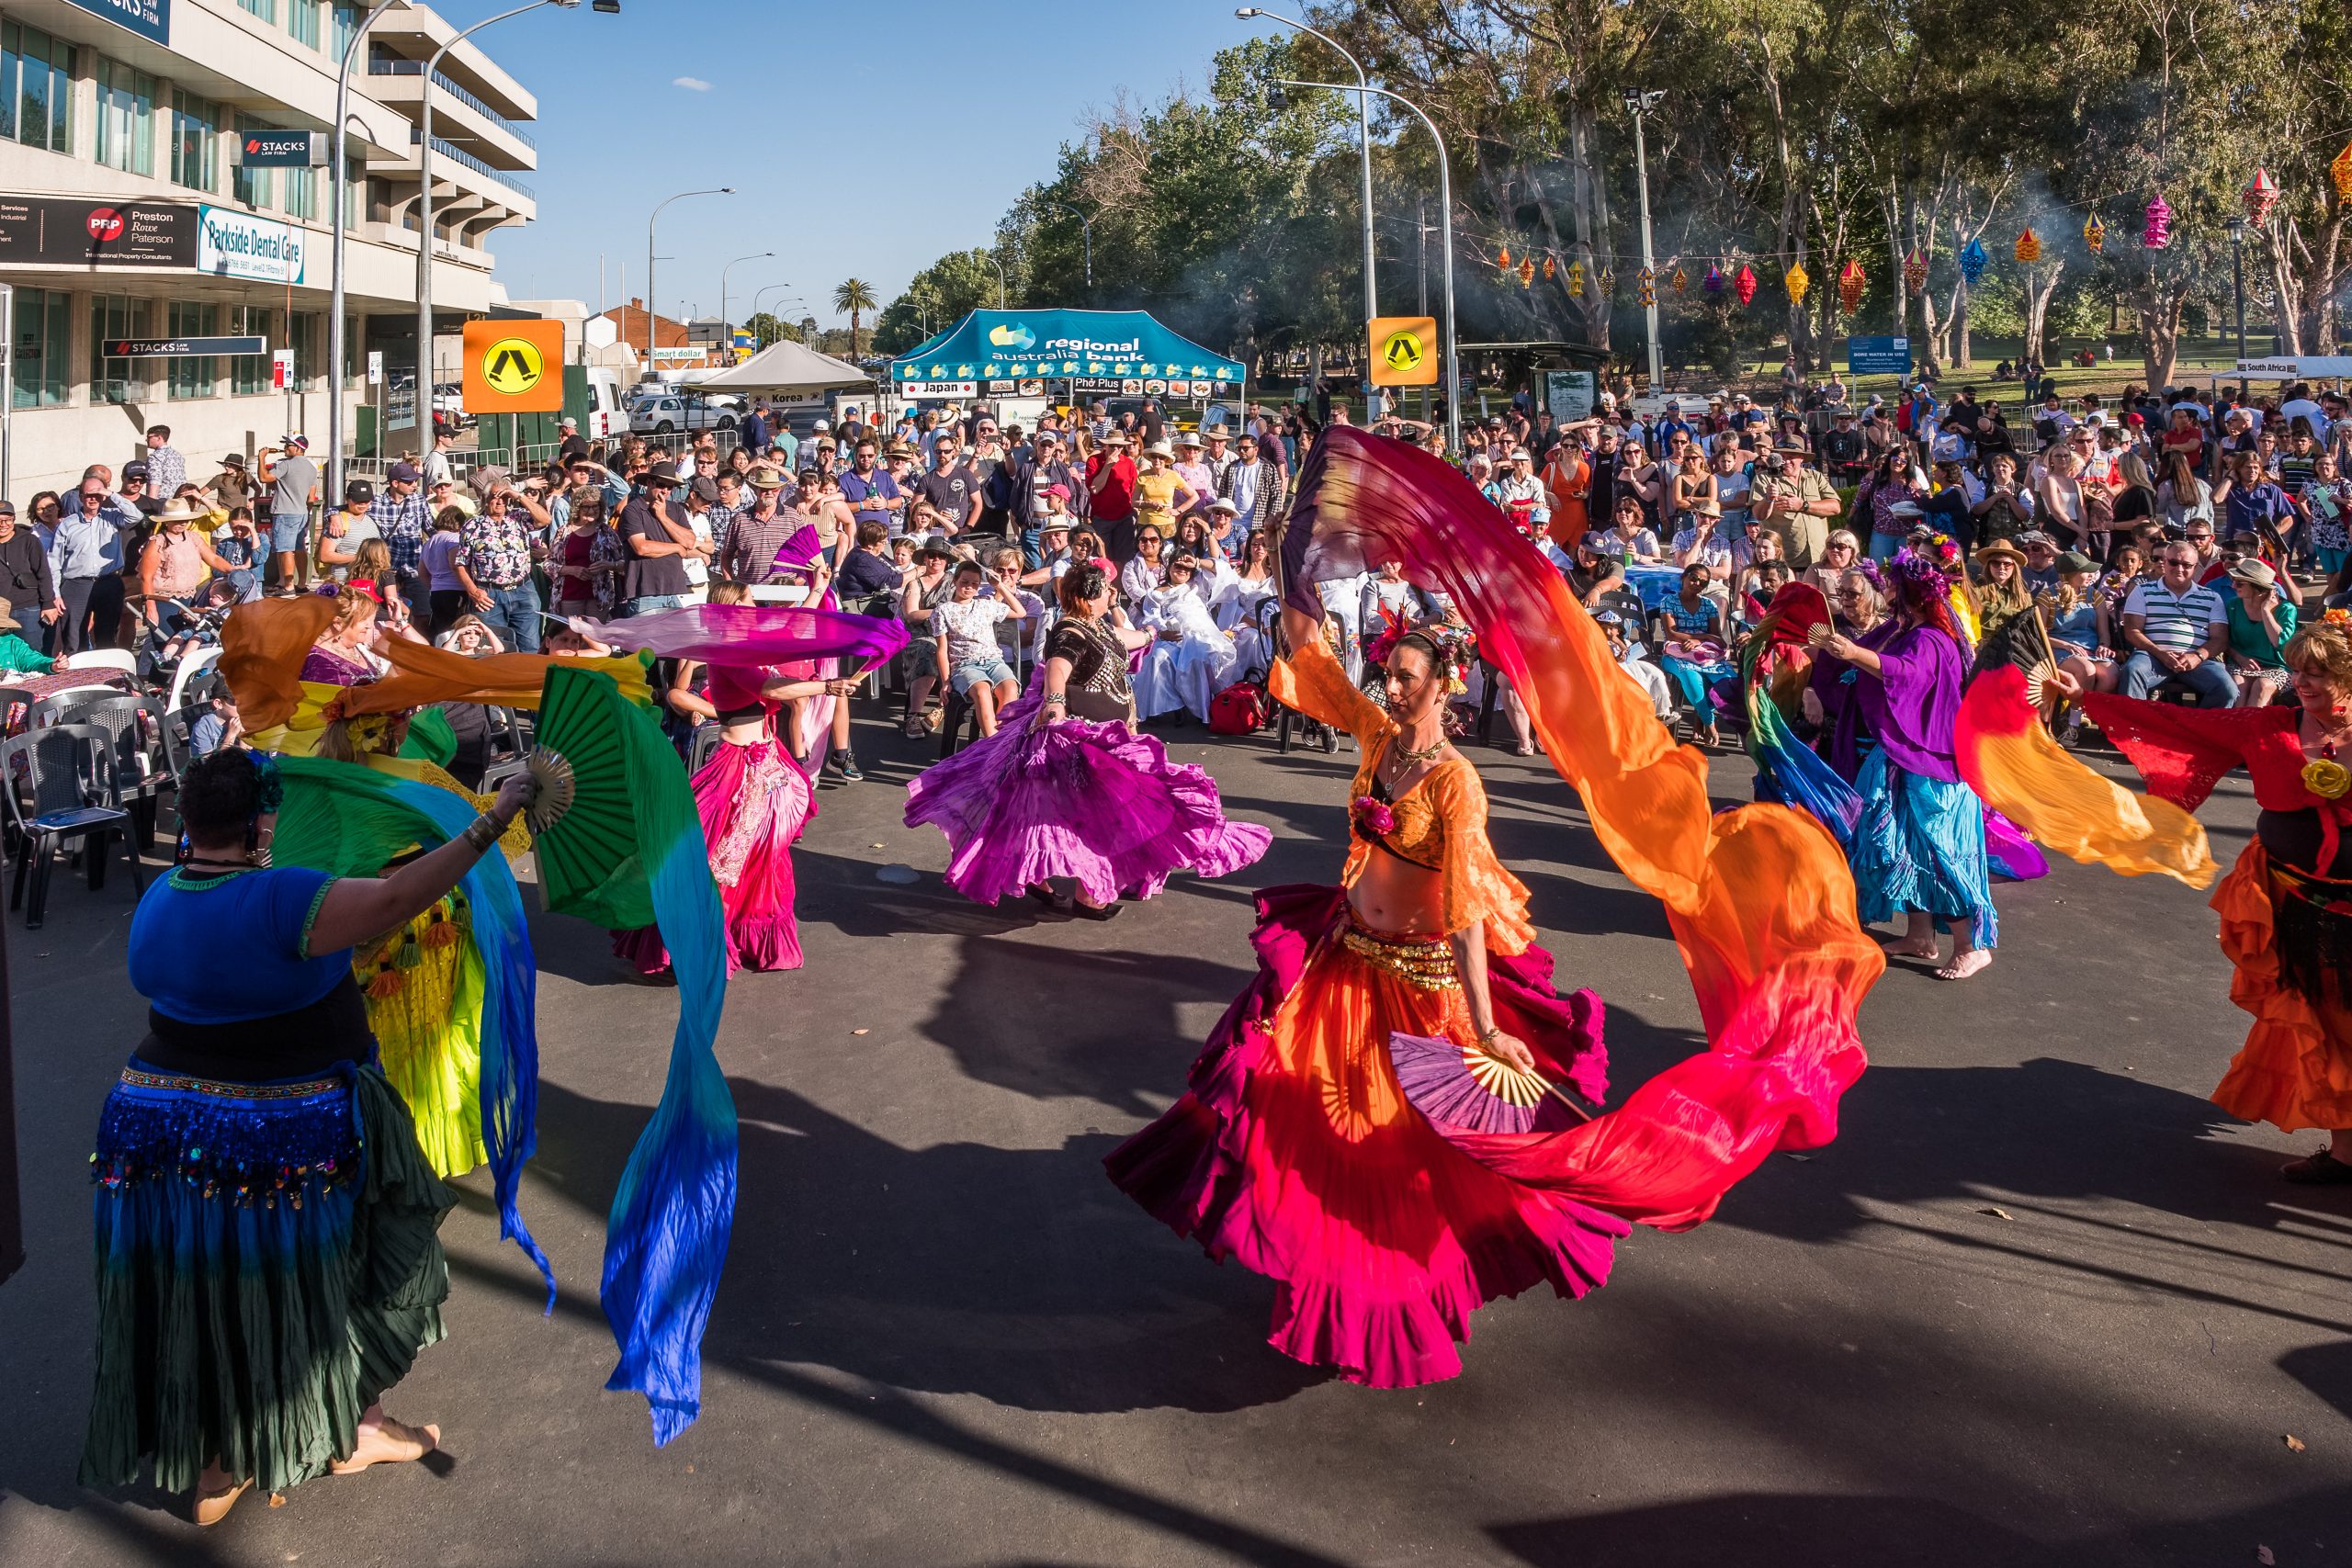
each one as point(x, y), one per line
point(2215, 686)
point(649, 603)
point(513, 614)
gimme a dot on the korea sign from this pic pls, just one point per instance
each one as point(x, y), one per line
point(513, 367)
point(1404, 351)
point(281, 149)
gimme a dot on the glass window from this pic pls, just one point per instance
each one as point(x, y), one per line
point(302, 21)
point(194, 377)
point(112, 315)
point(44, 337)
point(301, 193)
point(126, 102)
point(249, 373)
point(266, 9)
point(196, 141)
point(36, 74)
point(253, 187)
point(347, 16)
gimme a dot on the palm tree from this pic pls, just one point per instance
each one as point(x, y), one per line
point(856, 296)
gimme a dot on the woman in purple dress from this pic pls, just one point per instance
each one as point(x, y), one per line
point(1065, 788)
point(1920, 848)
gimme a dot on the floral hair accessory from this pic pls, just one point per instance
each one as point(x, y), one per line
point(1919, 570)
point(269, 788)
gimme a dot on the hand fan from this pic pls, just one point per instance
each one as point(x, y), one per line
point(584, 824)
point(1469, 1088)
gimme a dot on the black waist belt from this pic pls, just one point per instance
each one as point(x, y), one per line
point(309, 1039)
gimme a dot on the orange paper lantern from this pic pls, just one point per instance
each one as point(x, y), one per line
point(1502, 258)
point(2340, 172)
point(1549, 267)
point(2029, 246)
point(1527, 274)
point(1851, 283)
point(2094, 234)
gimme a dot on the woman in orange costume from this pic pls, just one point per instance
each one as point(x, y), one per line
point(1295, 1150)
point(2286, 908)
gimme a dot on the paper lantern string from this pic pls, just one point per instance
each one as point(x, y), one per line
point(2157, 235)
point(1852, 284)
point(1798, 280)
point(1607, 281)
point(1680, 280)
point(1973, 261)
point(2094, 234)
point(1576, 281)
point(1550, 267)
point(2340, 170)
point(1527, 274)
point(1502, 258)
point(1915, 271)
point(1713, 282)
point(1645, 290)
point(2029, 246)
point(1743, 285)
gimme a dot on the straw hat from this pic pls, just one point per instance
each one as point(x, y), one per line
point(1160, 449)
point(2001, 548)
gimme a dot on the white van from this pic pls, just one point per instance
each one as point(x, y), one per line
point(605, 416)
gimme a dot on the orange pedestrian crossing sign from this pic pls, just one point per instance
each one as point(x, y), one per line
point(513, 367)
point(1404, 351)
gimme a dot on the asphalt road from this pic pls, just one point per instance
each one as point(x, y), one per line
point(2039, 1304)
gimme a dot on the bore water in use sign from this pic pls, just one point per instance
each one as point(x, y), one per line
point(230, 243)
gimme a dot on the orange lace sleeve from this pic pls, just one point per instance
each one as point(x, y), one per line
point(1313, 681)
point(1479, 891)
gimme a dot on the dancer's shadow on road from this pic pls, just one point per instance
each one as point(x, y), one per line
point(1020, 1275)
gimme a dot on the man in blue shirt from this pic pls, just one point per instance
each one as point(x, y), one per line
point(399, 517)
point(755, 430)
point(85, 562)
point(874, 494)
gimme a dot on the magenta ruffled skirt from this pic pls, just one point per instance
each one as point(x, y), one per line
point(1294, 1151)
point(753, 801)
point(1096, 801)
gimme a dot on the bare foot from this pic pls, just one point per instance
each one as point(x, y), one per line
point(390, 1442)
point(1910, 947)
point(1964, 965)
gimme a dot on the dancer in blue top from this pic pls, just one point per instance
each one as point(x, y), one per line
point(267, 1262)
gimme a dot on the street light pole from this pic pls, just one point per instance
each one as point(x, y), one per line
point(1086, 223)
point(999, 278)
point(1640, 103)
point(723, 271)
point(720, 190)
point(1363, 89)
point(334, 259)
point(424, 207)
point(2237, 288)
point(1445, 217)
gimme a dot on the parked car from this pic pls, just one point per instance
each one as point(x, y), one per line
point(663, 413)
point(449, 405)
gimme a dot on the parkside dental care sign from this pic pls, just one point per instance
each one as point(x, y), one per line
point(236, 245)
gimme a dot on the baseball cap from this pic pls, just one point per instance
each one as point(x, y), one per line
point(406, 472)
point(134, 470)
point(705, 488)
point(360, 493)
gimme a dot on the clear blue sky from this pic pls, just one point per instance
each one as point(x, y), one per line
point(955, 106)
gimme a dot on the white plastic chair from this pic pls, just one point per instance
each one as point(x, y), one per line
point(195, 663)
point(120, 659)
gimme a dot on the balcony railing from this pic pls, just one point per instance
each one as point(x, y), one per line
point(386, 65)
point(456, 154)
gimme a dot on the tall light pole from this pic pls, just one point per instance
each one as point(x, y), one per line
point(2237, 288)
point(649, 295)
point(1087, 223)
point(1637, 104)
point(1363, 89)
point(335, 261)
point(424, 202)
point(1445, 225)
point(1000, 276)
point(755, 255)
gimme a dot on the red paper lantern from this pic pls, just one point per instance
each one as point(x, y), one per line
point(1852, 284)
point(2260, 197)
point(2340, 170)
point(1502, 258)
point(1527, 274)
point(1743, 284)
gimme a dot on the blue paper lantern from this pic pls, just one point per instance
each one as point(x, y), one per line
point(1972, 262)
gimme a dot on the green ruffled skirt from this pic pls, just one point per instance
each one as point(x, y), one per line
point(268, 1264)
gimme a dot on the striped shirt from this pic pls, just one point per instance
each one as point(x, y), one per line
point(2177, 623)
